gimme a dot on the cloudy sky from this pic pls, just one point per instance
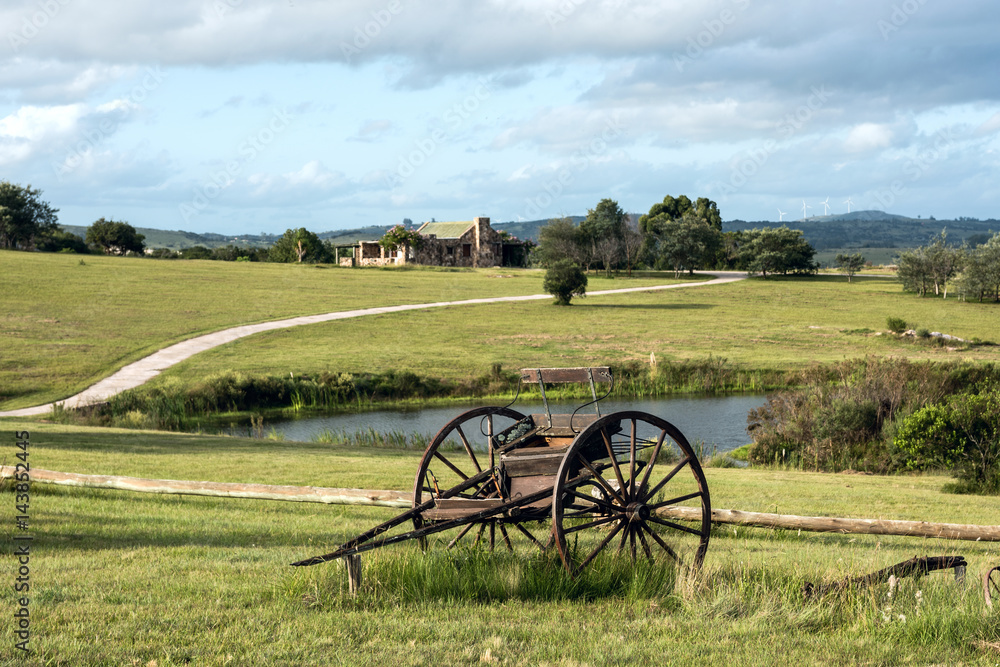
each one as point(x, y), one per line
point(242, 116)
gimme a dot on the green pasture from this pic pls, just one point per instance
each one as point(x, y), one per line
point(67, 321)
point(778, 323)
point(133, 579)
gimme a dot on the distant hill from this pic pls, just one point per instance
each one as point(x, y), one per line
point(874, 229)
point(177, 240)
point(528, 229)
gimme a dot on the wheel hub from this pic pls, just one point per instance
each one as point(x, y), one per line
point(637, 512)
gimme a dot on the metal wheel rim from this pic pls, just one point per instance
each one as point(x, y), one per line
point(991, 585)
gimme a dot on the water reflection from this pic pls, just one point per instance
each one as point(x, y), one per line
point(718, 421)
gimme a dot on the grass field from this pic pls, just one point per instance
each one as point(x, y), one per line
point(127, 579)
point(67, 321)
point(756, 324)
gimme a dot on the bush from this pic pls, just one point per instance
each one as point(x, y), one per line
point(923, 333)
point(962, 434)
point(896, 324)
point(564, 280)
point(848, 414)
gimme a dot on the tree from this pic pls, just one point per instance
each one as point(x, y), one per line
point(685, 243)
point(672, 208)
point(850, 264)
point(913, 271)
point(931, 265)
point(980, 277)
point(399, 237)
point(564, 280)
point(298, 245)
point(679, 234)
point(60, 241)
point(776, 250)
point(24, 218)
point(115, 237)
point(604, 230)
point(943, 261)
point(631, 245)
point(560, 239)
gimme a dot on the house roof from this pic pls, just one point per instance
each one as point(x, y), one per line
point(445, 230)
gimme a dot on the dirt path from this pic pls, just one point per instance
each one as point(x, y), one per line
point(145, 369)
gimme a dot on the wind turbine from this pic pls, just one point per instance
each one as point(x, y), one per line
point(848, 202)
point(781, 215)
point(804, 208)
point(826, 206)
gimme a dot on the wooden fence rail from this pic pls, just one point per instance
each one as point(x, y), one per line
point(302, 494)
point(316, 494)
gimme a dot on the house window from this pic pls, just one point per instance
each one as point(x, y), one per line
point(466, 250)
point(451, 250)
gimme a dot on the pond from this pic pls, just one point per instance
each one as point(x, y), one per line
point(717, 421)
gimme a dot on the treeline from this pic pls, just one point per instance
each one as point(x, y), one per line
point(676, 235)
point(974, 270)
point(29, 223)
point(295, 245)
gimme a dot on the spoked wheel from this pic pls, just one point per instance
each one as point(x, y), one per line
point(461, 450)
point(991, 586)
point(631, 482)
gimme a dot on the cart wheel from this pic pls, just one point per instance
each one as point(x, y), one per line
point(643, 465)
point(991, 586)
point(460, 450)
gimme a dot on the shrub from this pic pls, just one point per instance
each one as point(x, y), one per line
point(923, 333)
point(564, 280)
point(896, 324)
point(962, 434)
point(847, 414)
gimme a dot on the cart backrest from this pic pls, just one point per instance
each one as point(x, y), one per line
point(590, 374)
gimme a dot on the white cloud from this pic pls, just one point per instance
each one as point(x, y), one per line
point(990, 126)
point(868, 136)
point(37, 123)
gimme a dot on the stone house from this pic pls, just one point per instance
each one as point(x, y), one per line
point(469, 243)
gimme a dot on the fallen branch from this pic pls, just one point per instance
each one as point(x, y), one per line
point(914, 566)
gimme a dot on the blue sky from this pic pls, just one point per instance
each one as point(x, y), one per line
point(243, 116)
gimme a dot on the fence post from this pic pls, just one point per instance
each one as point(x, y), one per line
point(353, 564)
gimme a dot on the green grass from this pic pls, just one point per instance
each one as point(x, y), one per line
point(122, 578)
point(67, 321)
point(754, 324)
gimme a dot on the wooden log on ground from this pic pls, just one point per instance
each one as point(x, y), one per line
point(822, 524)
point(302, 494)
point(914, 566)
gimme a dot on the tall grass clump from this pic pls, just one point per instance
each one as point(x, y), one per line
point(475, 574)
point(377, 439)
point(173, 405)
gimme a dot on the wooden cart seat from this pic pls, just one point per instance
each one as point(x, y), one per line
point(457, 508)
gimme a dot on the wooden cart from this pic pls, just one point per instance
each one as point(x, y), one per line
point(583, 482)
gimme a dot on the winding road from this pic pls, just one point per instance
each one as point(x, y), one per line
point(145, 369)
